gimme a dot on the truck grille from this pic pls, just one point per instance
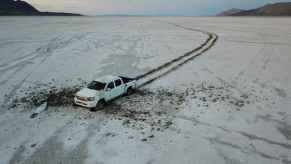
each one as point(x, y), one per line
point(81, 98)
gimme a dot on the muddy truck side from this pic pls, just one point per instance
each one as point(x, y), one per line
point(102, 90)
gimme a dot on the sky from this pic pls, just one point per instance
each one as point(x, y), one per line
point(147, 7)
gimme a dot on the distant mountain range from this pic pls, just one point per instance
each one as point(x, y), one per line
point(230, 12)
point(18, 7)
point(276, 9)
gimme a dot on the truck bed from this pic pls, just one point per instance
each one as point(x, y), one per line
point(126, 79)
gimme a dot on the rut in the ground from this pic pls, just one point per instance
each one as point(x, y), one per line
point(181, 60)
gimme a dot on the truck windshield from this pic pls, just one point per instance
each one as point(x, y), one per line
point(95, 85)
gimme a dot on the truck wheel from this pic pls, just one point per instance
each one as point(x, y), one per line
point(129, 91)
point(100, 105)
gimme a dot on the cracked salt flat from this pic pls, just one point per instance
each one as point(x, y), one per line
point(243, 62)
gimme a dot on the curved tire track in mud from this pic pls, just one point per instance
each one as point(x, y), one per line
point(174, 64)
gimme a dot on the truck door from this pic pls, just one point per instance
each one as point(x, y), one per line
point(109, 91)
point(119, 88)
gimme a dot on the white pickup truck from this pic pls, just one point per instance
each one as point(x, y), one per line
point(104, 89)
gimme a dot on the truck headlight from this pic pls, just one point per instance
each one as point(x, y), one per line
point(91, 98)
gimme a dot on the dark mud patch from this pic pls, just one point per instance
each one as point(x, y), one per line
point(144, 109)
point(160, 101)
point(132, 116)
point(53, 96)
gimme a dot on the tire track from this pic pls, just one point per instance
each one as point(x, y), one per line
point(174, 64)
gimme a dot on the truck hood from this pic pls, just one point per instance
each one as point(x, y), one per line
point(87, 93)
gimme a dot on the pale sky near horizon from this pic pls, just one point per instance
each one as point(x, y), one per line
point(147, 7)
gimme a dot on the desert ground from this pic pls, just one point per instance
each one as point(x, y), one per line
point(226, 100)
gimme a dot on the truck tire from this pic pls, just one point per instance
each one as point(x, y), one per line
point(129, 91)
point(100, 105)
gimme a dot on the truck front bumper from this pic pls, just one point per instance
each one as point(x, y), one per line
point(87, 104)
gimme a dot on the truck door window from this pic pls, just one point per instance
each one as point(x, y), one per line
point(110, 85)
point(117, 83)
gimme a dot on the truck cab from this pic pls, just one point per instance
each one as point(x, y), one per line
point(102, 90)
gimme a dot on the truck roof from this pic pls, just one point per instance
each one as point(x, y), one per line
point(107, 79)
